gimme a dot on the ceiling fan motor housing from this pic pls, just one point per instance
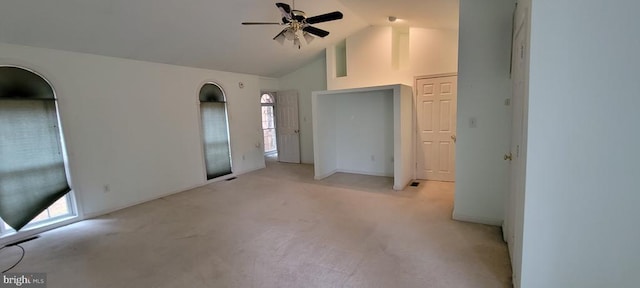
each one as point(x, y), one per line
point(298, 15)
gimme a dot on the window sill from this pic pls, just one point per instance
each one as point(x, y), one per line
point(13, 236)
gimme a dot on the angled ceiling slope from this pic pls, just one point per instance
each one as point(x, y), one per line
point(196, 33)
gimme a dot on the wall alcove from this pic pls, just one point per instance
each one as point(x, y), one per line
point(364, 131)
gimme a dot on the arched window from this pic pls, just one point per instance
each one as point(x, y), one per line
point(215, 131)
point(32, 169)
point(269, 123)
point(266, 99)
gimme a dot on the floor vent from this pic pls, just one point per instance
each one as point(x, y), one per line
point(415, 184)
point(229, 179)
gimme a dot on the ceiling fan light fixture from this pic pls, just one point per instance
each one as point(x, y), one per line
point(308, 37)
point(280, 38)
point(296, 42)
point(290, 34)
point(298, 25)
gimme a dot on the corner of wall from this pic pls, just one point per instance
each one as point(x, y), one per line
point(306, 79)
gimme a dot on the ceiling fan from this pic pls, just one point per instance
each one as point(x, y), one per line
point(297, 22)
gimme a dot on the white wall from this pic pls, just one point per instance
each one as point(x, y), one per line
point(404, 137)
point(134, 125)
point(582, 195)
point(311, 77)
point(370, 57)
point(355, 133)
point(483, 86)
point(364, 132)
point(325, 135)
point(268, 85)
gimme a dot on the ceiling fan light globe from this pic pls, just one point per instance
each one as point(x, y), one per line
point(296, 42)
point(308, 37)
point(290, 35)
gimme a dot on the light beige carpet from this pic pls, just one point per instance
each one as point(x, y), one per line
point(277, 227)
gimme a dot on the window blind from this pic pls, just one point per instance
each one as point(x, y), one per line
point(215, 132)
point(32, 172)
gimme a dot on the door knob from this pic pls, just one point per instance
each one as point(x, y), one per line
point(508, 156)
point(454, 138)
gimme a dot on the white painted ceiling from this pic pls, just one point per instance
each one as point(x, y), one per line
point(438, 14)
point(201, 33)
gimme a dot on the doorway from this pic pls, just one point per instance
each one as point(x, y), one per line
point(288, 126)
point(436, 109)
point(268, 103)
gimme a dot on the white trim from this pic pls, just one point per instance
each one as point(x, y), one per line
point(233, 174)
point(476, 219)
point(369, 173)
point(23, 234)
point(400, 188)
point(218, 179)
point(325, 175)
point(431, 76)
point(111, 210)
point(207, 182)
point(251, 170)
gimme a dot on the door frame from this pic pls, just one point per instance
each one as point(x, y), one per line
point(415, 113)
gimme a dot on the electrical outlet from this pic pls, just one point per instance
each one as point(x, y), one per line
point(243, 158)
point(373, 158)
point(107, 189)
point(473, 122)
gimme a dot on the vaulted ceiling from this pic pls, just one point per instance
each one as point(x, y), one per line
point(201, 33)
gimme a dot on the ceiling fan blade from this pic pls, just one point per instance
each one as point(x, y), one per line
point(285, 9)
point(281, 33)
point(316, 31)
point(325, 17)
point(261, 23)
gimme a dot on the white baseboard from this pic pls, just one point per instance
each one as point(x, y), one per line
point(325, 175)
point(111, 210)
point(477, 219)
point(381, 174)
point(402, 187)
point(218, 179)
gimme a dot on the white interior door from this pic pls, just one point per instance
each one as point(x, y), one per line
point(436, 123)
point(288, 126)
point(512, 227)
